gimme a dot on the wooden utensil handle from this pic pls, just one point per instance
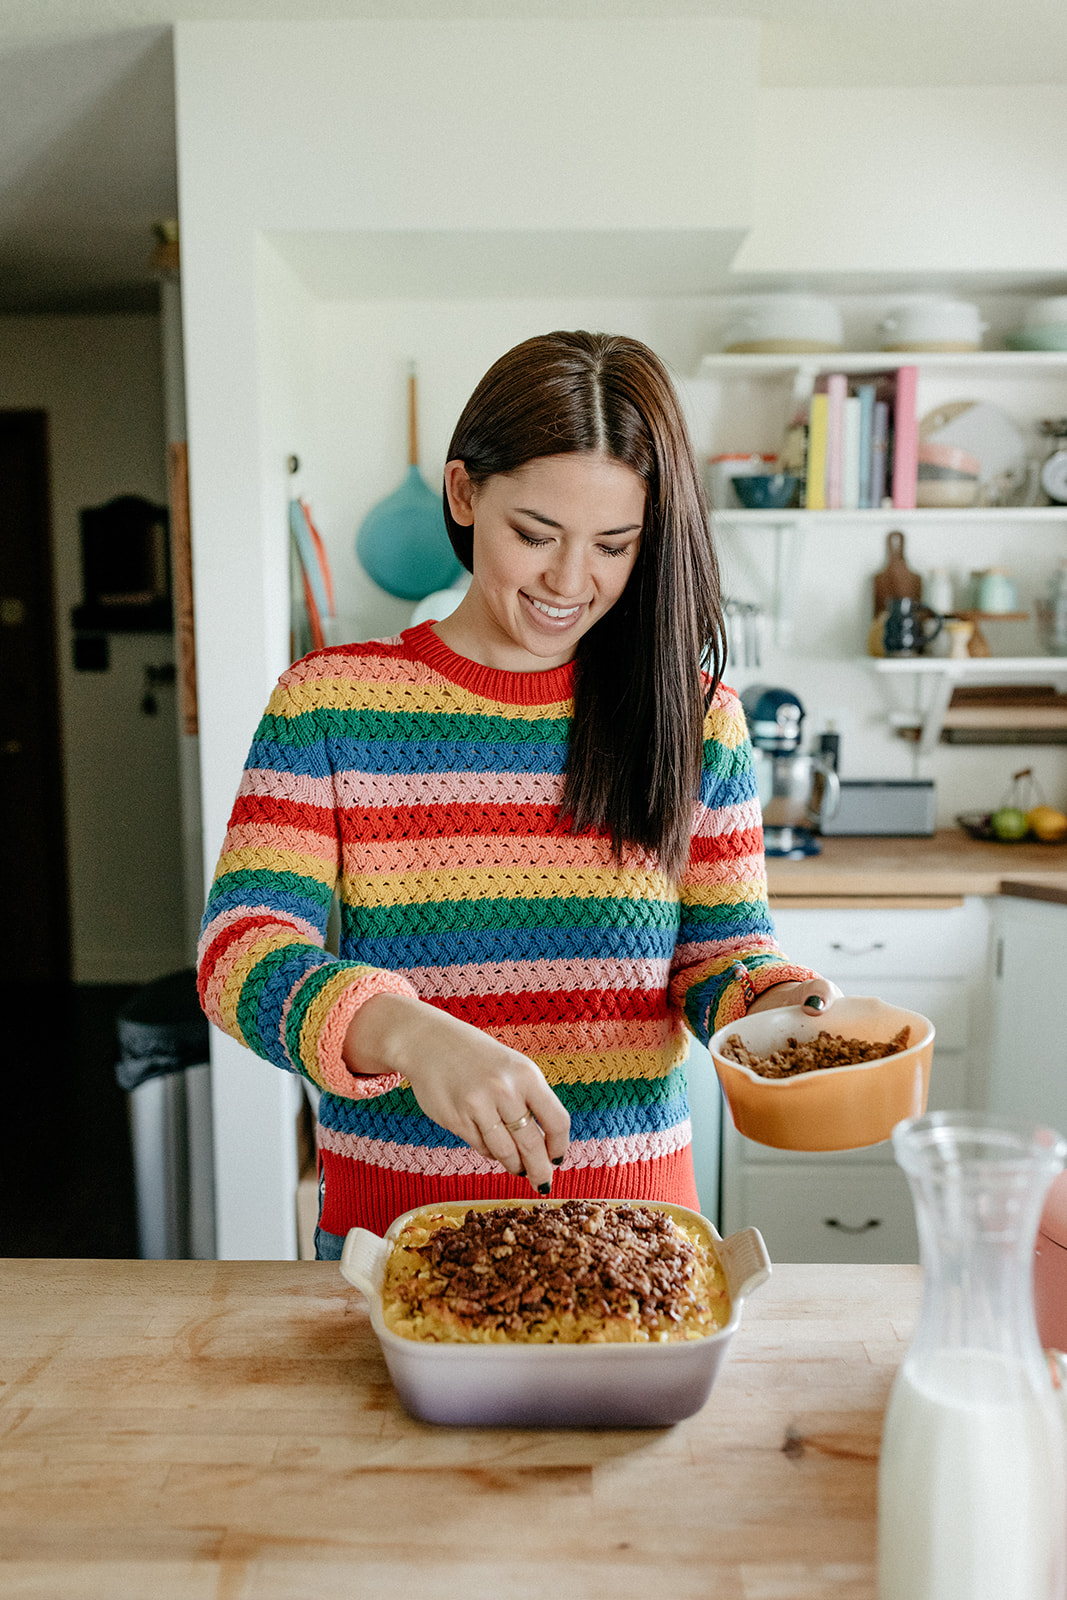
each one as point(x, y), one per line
point(413, 420)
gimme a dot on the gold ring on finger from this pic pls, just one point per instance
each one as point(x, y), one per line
point(520, 1122)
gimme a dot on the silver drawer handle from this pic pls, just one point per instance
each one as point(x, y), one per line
point(845, 1227)
point(857, 950)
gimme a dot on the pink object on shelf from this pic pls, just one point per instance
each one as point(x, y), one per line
point(1050, 1268)
point(946, 455)
point(905, 439)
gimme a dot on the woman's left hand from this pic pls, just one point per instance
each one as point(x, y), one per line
point(814, 994)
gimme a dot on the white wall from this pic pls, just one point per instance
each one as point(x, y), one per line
point(950, 179)
point(99, 380)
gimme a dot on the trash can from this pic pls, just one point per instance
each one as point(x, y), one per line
point(164, 1066)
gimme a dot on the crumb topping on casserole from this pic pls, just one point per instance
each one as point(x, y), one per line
point(570, 1272)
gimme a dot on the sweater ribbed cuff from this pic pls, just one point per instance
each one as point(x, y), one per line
point(332, 1073)
point(734, 1005)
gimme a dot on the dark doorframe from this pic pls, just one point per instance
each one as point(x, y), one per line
point(35, 926)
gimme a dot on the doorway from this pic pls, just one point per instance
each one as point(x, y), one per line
point(34, 938)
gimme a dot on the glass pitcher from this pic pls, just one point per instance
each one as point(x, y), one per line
point(972, 1491)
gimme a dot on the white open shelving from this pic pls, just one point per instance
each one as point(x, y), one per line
point(739, 400)
point(991, 363)
point(936, 677)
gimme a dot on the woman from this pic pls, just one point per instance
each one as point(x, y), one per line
point(539, 816)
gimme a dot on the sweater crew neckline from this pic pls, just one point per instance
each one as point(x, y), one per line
point(510, 688)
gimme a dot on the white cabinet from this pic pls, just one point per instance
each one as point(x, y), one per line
point(854, 1205)
point(1028, 1062)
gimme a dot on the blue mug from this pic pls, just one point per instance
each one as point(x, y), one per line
point(909, 627)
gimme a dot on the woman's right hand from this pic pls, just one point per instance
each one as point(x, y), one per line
point(465, 1081)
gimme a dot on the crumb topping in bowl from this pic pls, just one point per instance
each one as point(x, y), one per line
point(568, 1272)
point(813, 1055)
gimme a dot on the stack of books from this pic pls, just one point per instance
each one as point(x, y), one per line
point(862, 441)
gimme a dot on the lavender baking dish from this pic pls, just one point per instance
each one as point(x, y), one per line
point(556, 1385)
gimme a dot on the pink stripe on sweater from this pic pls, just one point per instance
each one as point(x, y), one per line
point(521, 977)
point(480, 853)
point(279, 836)
point(448, 1161)
point(730, 819)
point(447, 788)
point(225, 919)
point(405, 789)
point(294, 786)
point(596, 1034)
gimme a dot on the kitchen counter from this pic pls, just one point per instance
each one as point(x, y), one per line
point(228, 1429)
point(917, 871)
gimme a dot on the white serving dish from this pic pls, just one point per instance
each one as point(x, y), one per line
point(932, 322)
point(785, 323)
point(555, 1385)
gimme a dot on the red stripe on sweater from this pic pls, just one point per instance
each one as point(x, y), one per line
point(584, 1006)
point(218, 947)
point(359, 1196)
point(430, 822)
point(740, 842)
point(261, 808)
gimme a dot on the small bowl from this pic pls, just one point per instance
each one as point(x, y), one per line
point(766, 491)
point(839, 1108)
point(947, 490)
point(555, 1385)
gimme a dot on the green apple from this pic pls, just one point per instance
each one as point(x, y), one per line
point(1009, 823)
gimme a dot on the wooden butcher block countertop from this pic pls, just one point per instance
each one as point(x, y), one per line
point(228, 1431)
point(943, 868)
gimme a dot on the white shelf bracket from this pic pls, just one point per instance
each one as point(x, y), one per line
point(938, 697)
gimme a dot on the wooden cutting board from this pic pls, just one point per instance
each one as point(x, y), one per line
point(896, 581)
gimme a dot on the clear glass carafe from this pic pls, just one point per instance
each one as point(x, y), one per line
point(972, 1495)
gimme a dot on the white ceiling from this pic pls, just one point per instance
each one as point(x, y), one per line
point(87, 107)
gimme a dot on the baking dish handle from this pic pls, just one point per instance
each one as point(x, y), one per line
point(363, 1259)
point(745, 1262)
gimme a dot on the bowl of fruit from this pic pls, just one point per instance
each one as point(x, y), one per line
point(1023, 816)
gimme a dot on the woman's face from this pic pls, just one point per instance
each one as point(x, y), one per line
point(555, 543)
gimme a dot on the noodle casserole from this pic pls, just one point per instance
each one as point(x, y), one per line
point(572, 1272)
point(612, 1313)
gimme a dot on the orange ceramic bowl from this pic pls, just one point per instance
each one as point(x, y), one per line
point(839, 1108)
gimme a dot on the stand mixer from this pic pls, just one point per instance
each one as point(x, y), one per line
point(796, 792)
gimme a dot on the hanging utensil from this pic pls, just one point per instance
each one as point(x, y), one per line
point(402, 542)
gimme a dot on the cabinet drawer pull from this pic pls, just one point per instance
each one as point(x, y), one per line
point(845, 1227)
point(858, 950)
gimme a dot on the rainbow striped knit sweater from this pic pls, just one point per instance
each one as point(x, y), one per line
point(423, 790)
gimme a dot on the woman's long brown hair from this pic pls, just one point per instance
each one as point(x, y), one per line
point(636, 745)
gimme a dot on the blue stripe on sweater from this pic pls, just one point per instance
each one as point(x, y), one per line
point(528, 944)
point(387, 756)
point(360, 1117)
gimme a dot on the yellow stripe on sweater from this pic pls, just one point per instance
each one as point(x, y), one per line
point(238, 975)
point(725, 894)
point(615, 1066)
point(265, 860)
point(406, 699)
point(317, 1012)
point(503, 883)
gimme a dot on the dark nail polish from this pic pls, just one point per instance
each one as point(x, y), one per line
point(815, 1002)
point(557, 1161)
point(521, 1172)
point(544, 1188)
